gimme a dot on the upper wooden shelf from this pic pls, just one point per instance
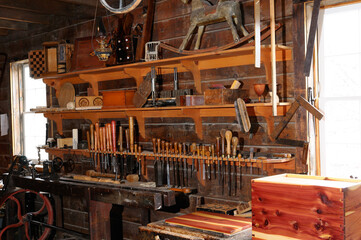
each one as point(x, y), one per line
point(193, 63)
point(194, 112)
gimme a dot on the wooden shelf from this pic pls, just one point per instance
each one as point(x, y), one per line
point(193, 63)
point(196, 113)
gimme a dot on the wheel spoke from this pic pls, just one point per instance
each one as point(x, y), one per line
point(15, 225)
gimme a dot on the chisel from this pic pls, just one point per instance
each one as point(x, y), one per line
point(193, 149)
point(155, 165)
point(203, 165)
point(185, 166)
point(208, 164)
point(177, 163)
point(114, 149)
point(92, 144)
point(228, 136)
point(234, 154)
point(218, 143)
point(97, 145)
point(181, 173)
point(128, 158)
point(213, 162)
point(104, 130)
point(140, 162)
point(120, 144)
point(171, 149)
point(250, 160)
point(164, 167)
point(223, 170)
point(159, 165)
point(168, 167)
point(240, 170)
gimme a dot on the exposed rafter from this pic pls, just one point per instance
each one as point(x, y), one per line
point(22, 16)
point(11, 25)
point(39, 6)
point(82, 2)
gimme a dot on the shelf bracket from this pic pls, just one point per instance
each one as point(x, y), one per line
point(195, 115)
point(93, 81)
point(136, 74)
point(139, 117)
point(57, 118)
point(193, 67)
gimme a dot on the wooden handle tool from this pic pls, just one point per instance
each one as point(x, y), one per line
point(91, 136)
point(88, 139)
point(228, 136)
point(120, 139)
point(97, 140)
point(127, 138)
point(131, 132)
point(154, 145)
point(234, 146)
point(114, 132)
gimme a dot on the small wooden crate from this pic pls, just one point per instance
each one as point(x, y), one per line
point(291, 206)
point(118, 99)
point(223, 96)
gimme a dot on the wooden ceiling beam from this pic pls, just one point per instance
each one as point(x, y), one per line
point(39, 6)
point(23, 16)
point(11, 25)
point(4, 32)
point(91, 3)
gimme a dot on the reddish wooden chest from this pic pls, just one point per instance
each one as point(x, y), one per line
point(291, 206)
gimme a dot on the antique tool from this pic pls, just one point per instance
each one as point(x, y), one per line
point(240, 170)
point(131, 132)
point(168, 167)
point(251, 151)
point(185, 166)
point(228, 136)
point(114, 149)
point(204, 164)
point(121, 156)
point(164, 167)
point(92, 142)
point(218, 143)
point(97, 145)
point(234, 154)
point(155, 165)
point(159, 165)
point(139, 162)
point(181, 176)
point(213, 162)
point(194, 149)
point(128, 157)
point(120, 139)
point(242, 115)
point(300, 101)
point(208, 154)
point(223, 170)
point(177, 164)
point(154, 79)
point(104, 144)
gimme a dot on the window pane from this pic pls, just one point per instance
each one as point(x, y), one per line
point(34, 91)
point(34, 134)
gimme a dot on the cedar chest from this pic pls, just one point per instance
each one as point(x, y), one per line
point(290, 206)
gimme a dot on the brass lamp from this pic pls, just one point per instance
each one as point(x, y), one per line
point(103, 51)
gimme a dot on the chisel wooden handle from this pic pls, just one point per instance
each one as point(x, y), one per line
point(120, 139)
point(193, 148)
point(104, 138)
point(167, 148)
point(218, 146)
point(114, 138)
point(228, 136)
point(97, 141)
point(92, 136)
point(154, 145)
point(88, 139)
point(180, 148)
point(158, 144)
point(163, 146)
point(175, 147)
point(234, 146)
point(127, 138)
point(131, 132)
point(109, 127)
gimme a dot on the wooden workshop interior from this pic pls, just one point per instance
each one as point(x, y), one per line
point(180, 119)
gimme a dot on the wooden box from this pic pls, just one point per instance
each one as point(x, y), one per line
point(88, 102)
point(291, 206)
point(190, 100)
point(116, 99)
point(51, 57)
point(61, 142)
point(223, 96)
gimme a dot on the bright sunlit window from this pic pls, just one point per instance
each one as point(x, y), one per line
point(340, 91)
point(29, 129)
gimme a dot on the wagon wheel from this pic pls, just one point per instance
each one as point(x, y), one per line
point(24, 220)
point(122, 8)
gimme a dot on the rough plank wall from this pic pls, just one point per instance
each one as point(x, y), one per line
point(170, 25)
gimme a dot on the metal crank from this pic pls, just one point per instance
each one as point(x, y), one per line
point(26, 219)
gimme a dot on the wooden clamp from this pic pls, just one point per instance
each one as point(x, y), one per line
point(300, 101)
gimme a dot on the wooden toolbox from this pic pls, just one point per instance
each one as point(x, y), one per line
point(223, 96)
point(291, 206)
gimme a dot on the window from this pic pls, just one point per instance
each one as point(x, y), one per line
point(29, 129)
point(340, 91)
